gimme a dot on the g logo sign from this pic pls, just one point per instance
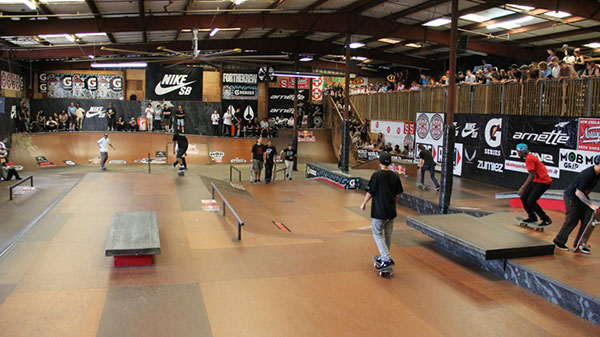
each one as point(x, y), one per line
point(493, 132)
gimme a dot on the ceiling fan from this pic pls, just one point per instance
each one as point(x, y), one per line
point(166, 55)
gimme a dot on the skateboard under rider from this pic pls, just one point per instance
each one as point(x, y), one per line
point(387, 271)
point(533, 225)
point(587, 232)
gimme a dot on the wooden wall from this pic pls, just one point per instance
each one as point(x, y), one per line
point(135, 83)
point(211, 86)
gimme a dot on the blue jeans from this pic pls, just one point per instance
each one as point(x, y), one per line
point(431, 170)
point(382, 233)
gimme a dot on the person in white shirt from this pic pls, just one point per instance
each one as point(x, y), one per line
point(149, 112)
point(227, 117)
point(470, 78)
point(569, 57)
point(3, 151)
point(158, 117)
point(214, 118)
point(103, 144)
point(79, 114)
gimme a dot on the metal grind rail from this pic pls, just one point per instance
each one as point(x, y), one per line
point(240, 223)
point(30, 178)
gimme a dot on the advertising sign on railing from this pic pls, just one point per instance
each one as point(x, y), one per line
point(588, 135)
point(429, 131)
point(396, 133)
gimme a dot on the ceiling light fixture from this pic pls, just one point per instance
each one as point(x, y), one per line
point(213, 32)
point(512, 24)
point(413, 45)
point(238, 2)
point(437, 22)
point(558, 14)
point(593, 45)
point(391, 41)
point(297, 74)
point(521, 7)
point(355, 45)
point(306, 59)
point(90, 34)
point(120, 65)
point(30, 4)
point(474, 18)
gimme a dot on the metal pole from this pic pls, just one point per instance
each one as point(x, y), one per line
point(449, 133)
point(230, 173)
point(295, 129)
point(239, 231)
point(223, 207)
point(148, 162)
point(213, 193)
point(345, 141)
point(589, 98)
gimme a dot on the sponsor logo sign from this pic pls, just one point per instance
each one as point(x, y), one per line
point(96, 111)
point(11, 81)
point(288, 82)
point(490, 166)
point(458, 159)
point(306, 136)
point(588, 134)
point(430, 132)
point(238, 160)
point(69, 162)
point(43, 162)
point(42, 83)
point(216, 156)
point(317, 89)
point(493, 132)
point(174, 83)
point(210, 205)
point(160, 154)
point(83, 86)
point(576, 161)
point(281, 101)
point(422, 126)
point(436, 127)
point(518, 166)
point(117, 162)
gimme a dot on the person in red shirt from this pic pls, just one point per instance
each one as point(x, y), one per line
point(534, 186)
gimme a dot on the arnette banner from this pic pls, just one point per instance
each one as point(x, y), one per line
point(240, 86)
point(177, 83)
point(281, 101)
point(82, 86)
point(396, 133)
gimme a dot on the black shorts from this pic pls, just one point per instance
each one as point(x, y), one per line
point(181, 151)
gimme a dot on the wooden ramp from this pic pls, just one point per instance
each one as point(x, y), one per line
point(479, 237)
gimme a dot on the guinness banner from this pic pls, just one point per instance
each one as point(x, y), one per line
point(240, 86)
point(177, 83)
point(81, 86)
point(281, 101)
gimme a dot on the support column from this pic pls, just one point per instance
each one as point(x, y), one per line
point(295, 129)
point(345, 127)
point(449, 130)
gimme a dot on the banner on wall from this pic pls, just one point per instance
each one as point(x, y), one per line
point(247, 109)
point(240, 86)
point(288, 82)
point(11, 81)
point(176, 83)
point(317, 90)
point(43, 83)
point(281, 101)
point(429, 132)
point(397, 133)
point(588, 135)
point(82, 86)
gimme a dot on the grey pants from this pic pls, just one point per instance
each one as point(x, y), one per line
point(382, 233)
point(103, 158)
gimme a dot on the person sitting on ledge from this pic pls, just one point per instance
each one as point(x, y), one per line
point(133, 127)
point(120, 124)
point(51, 124)
point(8, 172)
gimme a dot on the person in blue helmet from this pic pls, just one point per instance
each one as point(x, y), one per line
point(579, 207)
point(538, 181)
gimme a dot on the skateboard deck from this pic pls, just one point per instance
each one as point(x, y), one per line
point(587, 232)
point(532, 225)
point(388, 271)
point(181, 172)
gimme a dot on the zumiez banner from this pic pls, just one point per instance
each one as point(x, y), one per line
point(240, 86)
point(177, 83)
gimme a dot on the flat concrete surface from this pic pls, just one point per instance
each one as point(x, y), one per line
point(476, 234)
point(317, 280)
point(133, 233)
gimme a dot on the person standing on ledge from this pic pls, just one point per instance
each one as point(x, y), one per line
point(384, 188)
point(427, 164)
point(103, 144)
point(537, 183)
point(579, 207)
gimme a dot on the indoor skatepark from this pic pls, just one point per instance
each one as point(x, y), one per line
point(146, 248)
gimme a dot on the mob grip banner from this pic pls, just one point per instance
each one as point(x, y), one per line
point(177, 83)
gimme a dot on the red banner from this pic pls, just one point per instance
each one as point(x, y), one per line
point(288, 82)
point(588, 136)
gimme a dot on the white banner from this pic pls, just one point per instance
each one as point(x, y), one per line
point(397, 133)
point(517, 166)
point(429, 131)
point(576, 161)
point(317, 89)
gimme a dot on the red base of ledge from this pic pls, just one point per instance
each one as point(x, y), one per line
point(546, 204)
point(133, 260)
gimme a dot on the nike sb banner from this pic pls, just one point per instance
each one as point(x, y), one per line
point(176, 83)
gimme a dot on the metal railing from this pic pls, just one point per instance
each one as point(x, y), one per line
point(30, 178)
point(240, 223)
point(559, 97)
point(277, 171)
point(231, 169)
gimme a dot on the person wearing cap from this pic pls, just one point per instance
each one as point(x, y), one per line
point(537, 183)
point(579, 64)
point(579, 207)
point(103, 144)
point(427, 163)
point(289, 154)
point(384, 189)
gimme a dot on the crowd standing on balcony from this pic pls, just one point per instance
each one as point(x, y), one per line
point(572, 65)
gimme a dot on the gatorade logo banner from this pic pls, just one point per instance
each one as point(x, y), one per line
point(81, 86)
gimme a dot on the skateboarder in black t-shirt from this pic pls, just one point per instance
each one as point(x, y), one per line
point(270, 152)
point(384, 188)
point(289, 155)
point(258, 159)
point(427, 164)
point(180, 145)
point(579, 207)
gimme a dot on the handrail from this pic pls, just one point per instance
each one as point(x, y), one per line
point(231, 168)
point(226, 203)
point(336, 108)
point(276, 171)
point(30, 178)
point(356, 112)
